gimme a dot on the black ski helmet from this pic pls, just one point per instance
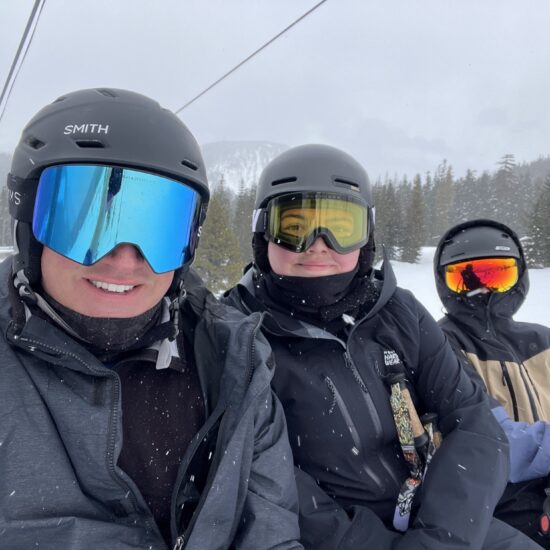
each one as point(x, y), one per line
point(312, 168)
point(479, 239)
point(104, 126)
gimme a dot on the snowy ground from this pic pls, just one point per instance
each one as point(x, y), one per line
point(420, 280)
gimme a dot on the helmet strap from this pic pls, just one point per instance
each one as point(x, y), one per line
point(28, 251)
point(176, 301)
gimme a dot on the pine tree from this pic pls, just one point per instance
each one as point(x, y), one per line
point(429, 205)
point(506, 196)
point(219, 260)
point(388, 220)
point(481, 206)
point(465, 197)
point(242, 220)
point(414, 234)
point(537, 244)
point(443, 201)
point(403, 194)
point(528, 189)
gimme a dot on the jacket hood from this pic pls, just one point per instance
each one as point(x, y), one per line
point(504, 304)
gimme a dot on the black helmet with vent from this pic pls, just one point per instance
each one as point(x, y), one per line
point(478, 239)
point(97, 126)
point(315, 168)
point(312, 168)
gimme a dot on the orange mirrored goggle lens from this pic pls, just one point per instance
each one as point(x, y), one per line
point(495, 274)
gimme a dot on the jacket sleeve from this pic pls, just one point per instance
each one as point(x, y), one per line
point(529, 443)
point(470, 470)
point(325, 525)
point(270, 514)
point(462, 359)
point(529, 447)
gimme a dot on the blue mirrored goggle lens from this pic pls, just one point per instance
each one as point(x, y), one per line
point(84, 211)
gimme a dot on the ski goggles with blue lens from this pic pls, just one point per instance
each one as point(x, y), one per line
point(296, 220)
point(84, 211)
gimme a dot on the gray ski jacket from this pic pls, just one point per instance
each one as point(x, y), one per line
point(61, 435)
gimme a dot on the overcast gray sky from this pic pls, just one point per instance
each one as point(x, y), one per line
point(399, 84)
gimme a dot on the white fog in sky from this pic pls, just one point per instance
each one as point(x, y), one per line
point(400, 85)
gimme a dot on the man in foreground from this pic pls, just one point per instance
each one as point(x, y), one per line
point(136, 410)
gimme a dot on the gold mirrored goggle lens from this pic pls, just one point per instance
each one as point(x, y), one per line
point(294, 221)
point(495, 274)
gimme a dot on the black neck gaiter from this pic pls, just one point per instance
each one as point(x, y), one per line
point(106, 336)
point(321, 300)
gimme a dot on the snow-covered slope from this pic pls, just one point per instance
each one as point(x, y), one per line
point(238, 161)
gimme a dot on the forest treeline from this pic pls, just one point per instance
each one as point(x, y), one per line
point(410, 214)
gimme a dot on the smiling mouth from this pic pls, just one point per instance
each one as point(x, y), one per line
point(111, 287)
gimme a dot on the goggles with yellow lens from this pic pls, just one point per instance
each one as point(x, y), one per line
point(494, 274)
point(294, 221)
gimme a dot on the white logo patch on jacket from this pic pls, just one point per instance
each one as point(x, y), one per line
point(391, 358)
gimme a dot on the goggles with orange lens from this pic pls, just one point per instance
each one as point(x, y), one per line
point(493, 274)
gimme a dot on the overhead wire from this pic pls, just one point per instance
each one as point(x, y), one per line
point(248, 58)
point(31, 28)
point(21, 53)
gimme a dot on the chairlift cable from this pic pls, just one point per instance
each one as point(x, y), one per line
point(253, 54)
point(21, 53)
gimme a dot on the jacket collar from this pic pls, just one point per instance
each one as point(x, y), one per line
point(280, 324)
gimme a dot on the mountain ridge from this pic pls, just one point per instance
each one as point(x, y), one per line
point(238, 162)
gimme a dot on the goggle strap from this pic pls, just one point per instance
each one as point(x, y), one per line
point(21, 197)
point(259, 220)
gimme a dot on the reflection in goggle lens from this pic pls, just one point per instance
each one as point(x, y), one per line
point(84, 211)
point(295, 221)
point(494, 274)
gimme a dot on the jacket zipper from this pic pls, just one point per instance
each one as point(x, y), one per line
point(521, 368)
point(181, 539)
point(507, 381)
point(522, 371)
point(252, 349)
point(367, 397)
point(114, 419)
point(353, 431)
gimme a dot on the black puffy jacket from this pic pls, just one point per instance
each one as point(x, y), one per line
point(343, 436)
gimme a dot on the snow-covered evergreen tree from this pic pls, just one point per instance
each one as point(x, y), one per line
point(219, 260)
point(414, 232)
point(537, 245)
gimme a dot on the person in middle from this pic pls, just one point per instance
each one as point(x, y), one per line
point(366, 377)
